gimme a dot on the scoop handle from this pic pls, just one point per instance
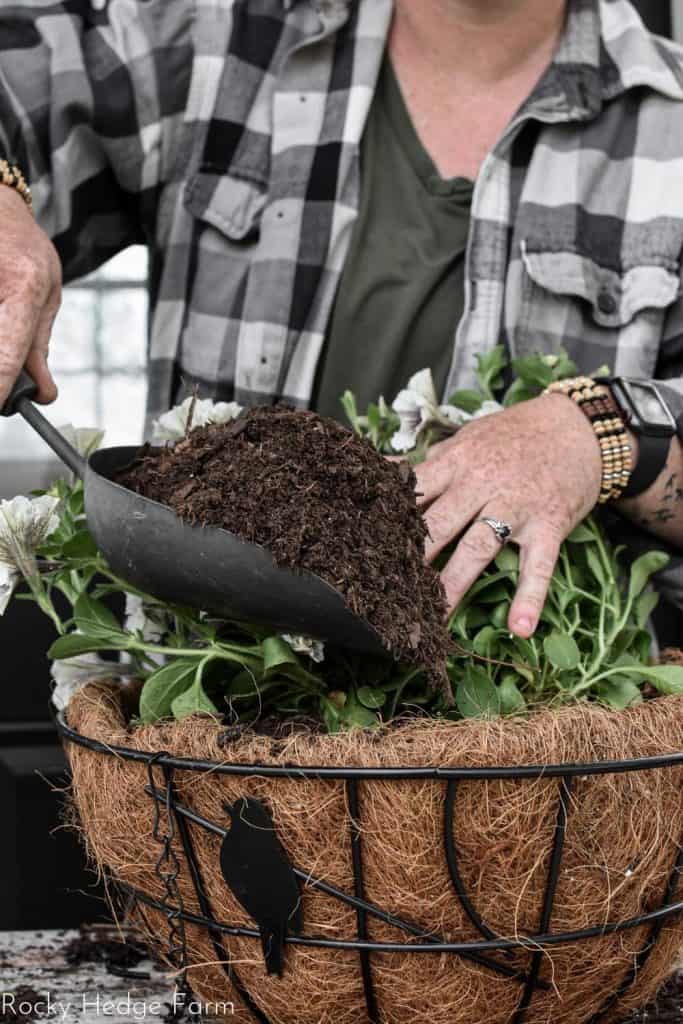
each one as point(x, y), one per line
point(20, 402)
point(24, 387)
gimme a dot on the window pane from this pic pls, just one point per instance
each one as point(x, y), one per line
point(98, 355)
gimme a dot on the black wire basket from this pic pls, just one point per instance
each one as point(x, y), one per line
point(174, 823)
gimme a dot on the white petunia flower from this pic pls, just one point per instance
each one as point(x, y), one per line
point(151, 621)
point(315, 649)
point(71, 674)
point(25, 523)
point(8, 581)
point(172, 426)
point(417, 407)
point(487, 408)
point(85, 440)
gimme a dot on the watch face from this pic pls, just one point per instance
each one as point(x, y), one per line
point(648, 405)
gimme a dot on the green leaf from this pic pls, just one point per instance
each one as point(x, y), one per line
point(507, 560)
point(348, 402)
point(94, 618)
point(330, 715)
point(596, 566)
point(489, 367)
point(534, 371)
point(524, 671)
point(499, 615)
point(509, 695)
point(76, 501)
point(619, 693)
point(163, 687)
point(518, 392)
point(642, 569)
point(526, 650)
point(561, 650)
point(458, 621)
point(243, 684)
point(483, 583)
point(484, 641)
point(355, 716)
point(549, 616)
point(76, 643)
point(645, 605)
point(192, 702)
point(494, 594)
point(668, 679)
point(476, 695)
point(276, 653)
point(371, 698)
point(581, 535)
point(469, 401)
point(81, 545)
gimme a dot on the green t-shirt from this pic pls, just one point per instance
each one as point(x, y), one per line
point(402, 290)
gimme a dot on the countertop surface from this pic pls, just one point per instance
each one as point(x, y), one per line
point(37, 979)
point(88, 976)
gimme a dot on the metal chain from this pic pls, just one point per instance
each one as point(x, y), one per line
point(167, 869)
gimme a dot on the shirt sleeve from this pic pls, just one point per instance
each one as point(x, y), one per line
point(669, 379)
point(89, 93)
point(670, 362)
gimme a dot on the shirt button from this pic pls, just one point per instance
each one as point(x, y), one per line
point(607, 304)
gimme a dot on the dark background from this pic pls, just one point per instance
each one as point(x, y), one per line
point(43, 880)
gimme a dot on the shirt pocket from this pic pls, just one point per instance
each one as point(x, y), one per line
point(222, 243)
point(600, 315)
point(230, 203)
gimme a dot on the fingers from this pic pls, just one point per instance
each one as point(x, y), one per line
point(433, 477)
point(36, 362)
point(17, 330)
point(476, 549)
point(30, 285)
point(537, 562)
point(446, 518)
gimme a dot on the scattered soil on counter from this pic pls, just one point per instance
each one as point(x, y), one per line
point(101, 946)
point(26, 1005)
point(320, 499)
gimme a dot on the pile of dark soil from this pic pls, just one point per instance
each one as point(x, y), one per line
point(106, 948)
point(318, 498)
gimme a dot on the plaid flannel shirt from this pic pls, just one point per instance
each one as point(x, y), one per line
point(225, 135)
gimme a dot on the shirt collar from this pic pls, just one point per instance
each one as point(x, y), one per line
point(605, 50)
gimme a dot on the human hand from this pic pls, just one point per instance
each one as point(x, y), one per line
point(30, 295)
point(536, 466)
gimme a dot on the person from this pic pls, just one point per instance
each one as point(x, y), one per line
point(339, 192)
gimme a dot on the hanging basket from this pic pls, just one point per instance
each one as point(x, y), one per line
point(504, 872)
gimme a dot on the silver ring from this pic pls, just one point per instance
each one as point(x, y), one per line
point(503, 531)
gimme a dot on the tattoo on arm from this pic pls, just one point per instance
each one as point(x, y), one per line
point(672, 495)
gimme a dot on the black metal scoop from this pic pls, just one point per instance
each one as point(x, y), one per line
point(204, 567)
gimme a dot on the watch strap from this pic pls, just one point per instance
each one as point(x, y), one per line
point(652, 455)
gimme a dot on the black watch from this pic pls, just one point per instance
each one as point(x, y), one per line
point(644, 412)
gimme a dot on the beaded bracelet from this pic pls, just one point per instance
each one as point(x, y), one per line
point(597, 403)
point(11, 176)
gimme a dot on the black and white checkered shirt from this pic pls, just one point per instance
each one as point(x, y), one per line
point(225, 134)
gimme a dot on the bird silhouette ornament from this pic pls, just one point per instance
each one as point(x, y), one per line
point(257, 871)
